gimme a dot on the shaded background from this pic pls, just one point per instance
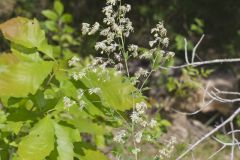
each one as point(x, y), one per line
point(219, 20)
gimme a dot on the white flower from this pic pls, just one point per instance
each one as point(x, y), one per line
point(73, 61)
point(128, 7)
point(118, 57)
point(135, 117)
point(141, 107)
point(163, 32)
point(105, 31)
point(100, 45)
point(170, 54)
point(146, 55)
point(167, 151)
point(144, 123)
point(109, 20)
point(112, 47)
point(85, 28)
point(138, 136)
point(119, 66)
point(94, 69)
point(94, 90)
point(153, 123)
point(136, 150)
point(111, 2)
point(151, 43)
point(94, 28)
point(124, 9)
point(82, 104)
point(81, 74)
point(172, 142)
point(165, 42)
point(108, 10)
point(75, 76)
point(119, 136)
point(80, 93)
point(134, 49)
point(160, 26)
point(68, 102)
point(141, 72)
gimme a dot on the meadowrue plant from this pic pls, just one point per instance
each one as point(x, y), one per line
point(115, 29)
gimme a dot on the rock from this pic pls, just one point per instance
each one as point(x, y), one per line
point(7, 8)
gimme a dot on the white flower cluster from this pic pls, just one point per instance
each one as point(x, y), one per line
point(160, 36)
point(73, 61)
point(82, 104)
point(138, 136)
point(87, 29)
point(119, 137)
point(137, 116)
point(136, 151)
point(68, 102)
point(168, 150)
point(158, 45)
point(77, 76)
point(112, 2)
point(94, 90)
point(133, 49)
point(80, 93)
point(141, 72)
point(117, 26)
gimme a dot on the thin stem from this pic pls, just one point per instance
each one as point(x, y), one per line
point(154, 61)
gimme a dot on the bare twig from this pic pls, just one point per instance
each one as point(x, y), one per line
point(224, 146)
point(195, 64)
point(195, 48)
point(210, 133)
point(186, 51)
point(233, 141)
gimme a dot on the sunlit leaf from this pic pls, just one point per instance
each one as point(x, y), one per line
point(65, 138)
point(22, 78)
point(58, 7)
point(25, 32)
point(91, 155)
point(39, 143)
point(115, 92)
point(50, 15)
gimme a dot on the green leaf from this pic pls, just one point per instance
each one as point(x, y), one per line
point(87, 126)
point(65, 138)
point(115, 92)
point(22, 78)
point(91, 155)
point(58, 7)
point(70, 90)
point(34, 57)
point(39, 143)
point(66, 18)
point(51, 25)
point(14, 126)
point(50, 15)
point(25, 32)
point(46, 48)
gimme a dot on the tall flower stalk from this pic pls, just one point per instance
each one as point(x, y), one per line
point(115, 30)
